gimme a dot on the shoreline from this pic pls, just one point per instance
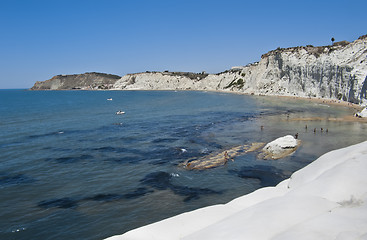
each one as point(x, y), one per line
point(332, 103)
point(326, 101)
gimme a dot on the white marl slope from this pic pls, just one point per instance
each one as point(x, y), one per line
point(336, 72)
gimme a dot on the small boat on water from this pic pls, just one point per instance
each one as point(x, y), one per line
point(120, 112)
point(109, 99)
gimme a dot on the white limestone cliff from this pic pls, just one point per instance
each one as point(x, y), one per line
point(337, 72)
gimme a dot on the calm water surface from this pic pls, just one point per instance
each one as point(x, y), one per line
point(70, 168)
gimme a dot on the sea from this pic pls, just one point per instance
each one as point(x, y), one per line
point(71, 168)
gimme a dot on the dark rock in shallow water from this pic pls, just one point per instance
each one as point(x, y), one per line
point(268, 175)
point(58, 203)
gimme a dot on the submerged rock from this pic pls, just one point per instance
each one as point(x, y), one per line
point(280, 147)
point(219, 159)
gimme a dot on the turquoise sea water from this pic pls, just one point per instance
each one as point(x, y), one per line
point(70, 168)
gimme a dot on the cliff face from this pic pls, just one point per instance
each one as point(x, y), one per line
point(78, 81)
point(338, 72)
point(175, 81)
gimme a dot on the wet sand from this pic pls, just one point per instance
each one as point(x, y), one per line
point(330, 102)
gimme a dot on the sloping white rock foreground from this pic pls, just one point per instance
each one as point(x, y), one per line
point(362, 114)
point(325, 200)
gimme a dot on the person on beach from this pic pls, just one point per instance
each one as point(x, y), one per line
point(226, 156)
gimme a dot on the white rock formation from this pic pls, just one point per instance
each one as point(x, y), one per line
point(337, 72)
point(362, 114)
point(280, 147)
point(325, 200)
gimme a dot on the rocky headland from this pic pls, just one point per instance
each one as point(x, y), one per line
point(337, 71)
point(86, 81)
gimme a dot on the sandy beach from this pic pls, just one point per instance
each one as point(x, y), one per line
point(330, 102)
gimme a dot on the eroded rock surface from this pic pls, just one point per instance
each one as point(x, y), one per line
point(280, 147)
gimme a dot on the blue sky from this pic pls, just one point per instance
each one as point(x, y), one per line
point(40, 39)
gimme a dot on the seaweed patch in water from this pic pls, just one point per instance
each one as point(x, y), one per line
point(137, 193)
point(109, 149)
point(191, 193)
point(71, 159)
point(158, 180)
point(164, 140)
point(109, 197)
point(45, 134)
point(122, 160)
point(15, 179)
point(104, 197)
point(161, 181)
point(268, 175)
point(58, 203)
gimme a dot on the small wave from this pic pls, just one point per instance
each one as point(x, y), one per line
point(323, 105)
point(204, 150)
point(19, 229)
point(183, 150)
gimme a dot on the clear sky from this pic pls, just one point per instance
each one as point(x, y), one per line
point(43, 38)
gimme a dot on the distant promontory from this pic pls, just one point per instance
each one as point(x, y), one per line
point(85, 81)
